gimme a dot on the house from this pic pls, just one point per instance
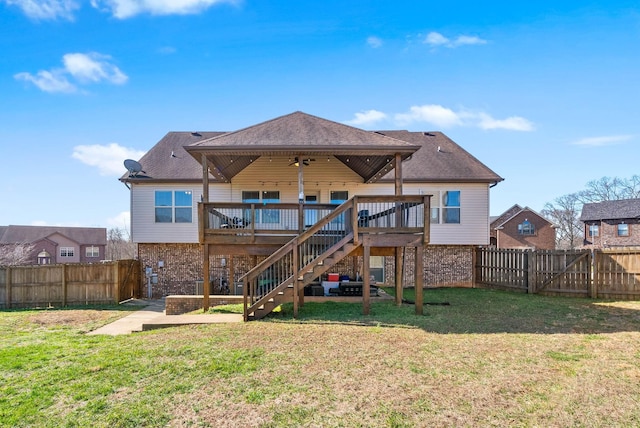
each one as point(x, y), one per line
point(612, 223)
point(55, 244)
point(227, 203)
point(521, 227)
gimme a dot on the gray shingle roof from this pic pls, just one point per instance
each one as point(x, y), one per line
point(14, 234)
point(611, 210)
point(451, 163)
point(303, 132)
point(159, 165)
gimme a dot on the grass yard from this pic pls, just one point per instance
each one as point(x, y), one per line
point(488, 358)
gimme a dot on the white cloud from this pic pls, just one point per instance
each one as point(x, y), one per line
point(127, 8)
point(84, 68)
point(93, 67)
point(431, 113)
point(603, 141)
point(48, 81)
point(108, 159)
point(367, 117)
point(436, 39)
point(46, 9)
point(513, 123)
point(446, 118)
point(374, 42)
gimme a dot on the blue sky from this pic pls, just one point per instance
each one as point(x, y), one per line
point(545, 93)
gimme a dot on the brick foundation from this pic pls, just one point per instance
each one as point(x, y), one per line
point(177, 305)
point(444, 266)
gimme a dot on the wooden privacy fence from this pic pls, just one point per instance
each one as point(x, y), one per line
point(69, 284)
point(607, 273)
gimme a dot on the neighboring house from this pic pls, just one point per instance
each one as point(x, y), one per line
point(262, 185)
point(521, 227)
point(53, 244)
point(612, 223)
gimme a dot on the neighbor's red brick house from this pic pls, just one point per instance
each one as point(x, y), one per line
point(612, 223)
point(55, 244)
point(522, 228)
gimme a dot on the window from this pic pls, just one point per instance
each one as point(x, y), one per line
point(67, 252)
point(265, 197)
point(92, 251)
point(623, 229)
point(451, 206)
point(338, 196)
point(526, 228)
point(270, 197)
point(174, 206)
point(593, 230)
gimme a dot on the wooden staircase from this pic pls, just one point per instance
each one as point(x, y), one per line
point(284, 274)
point(284, 291)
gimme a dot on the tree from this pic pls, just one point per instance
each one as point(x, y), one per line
point(16, 254)
point(119, 245)
point(610, 189)
point(564, 212)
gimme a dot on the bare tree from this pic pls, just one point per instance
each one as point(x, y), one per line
point(611, 189)
point(119, 245)
point(16, 254)
point(564, 212)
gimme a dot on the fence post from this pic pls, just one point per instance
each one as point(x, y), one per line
point(64, 285)
point(592, 275)
point(8, 285)
point(116, 280)
point(531, 260)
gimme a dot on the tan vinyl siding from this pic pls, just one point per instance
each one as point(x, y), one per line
point(146, 230)
point(320, 177)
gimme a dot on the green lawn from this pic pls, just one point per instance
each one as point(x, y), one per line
point(488, 358)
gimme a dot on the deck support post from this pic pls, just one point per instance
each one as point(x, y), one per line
point(205, 247)
point(399, 264)
point(366, 280)
point(419, 276)
point(296, 282)
point(398, 271)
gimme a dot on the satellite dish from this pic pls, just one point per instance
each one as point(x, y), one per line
point(133, 167)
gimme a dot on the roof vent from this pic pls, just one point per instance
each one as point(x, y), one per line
point(196, 134)
point(429, 134)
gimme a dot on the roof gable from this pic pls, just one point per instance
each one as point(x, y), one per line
point(507, 218)
point(300, 130)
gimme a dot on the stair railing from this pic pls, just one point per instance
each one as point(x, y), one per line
point(284, 266)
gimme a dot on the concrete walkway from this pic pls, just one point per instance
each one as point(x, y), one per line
point(151, 316)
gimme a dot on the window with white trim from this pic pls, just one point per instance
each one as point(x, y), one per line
point(594, 230)
point(67, 252)
point(451, 206)
point(623, 229)
point(173, 206)
point(92, 251)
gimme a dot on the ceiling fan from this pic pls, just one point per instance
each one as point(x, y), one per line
point(305, 161)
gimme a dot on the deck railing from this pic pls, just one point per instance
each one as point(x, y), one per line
point(373, 213)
